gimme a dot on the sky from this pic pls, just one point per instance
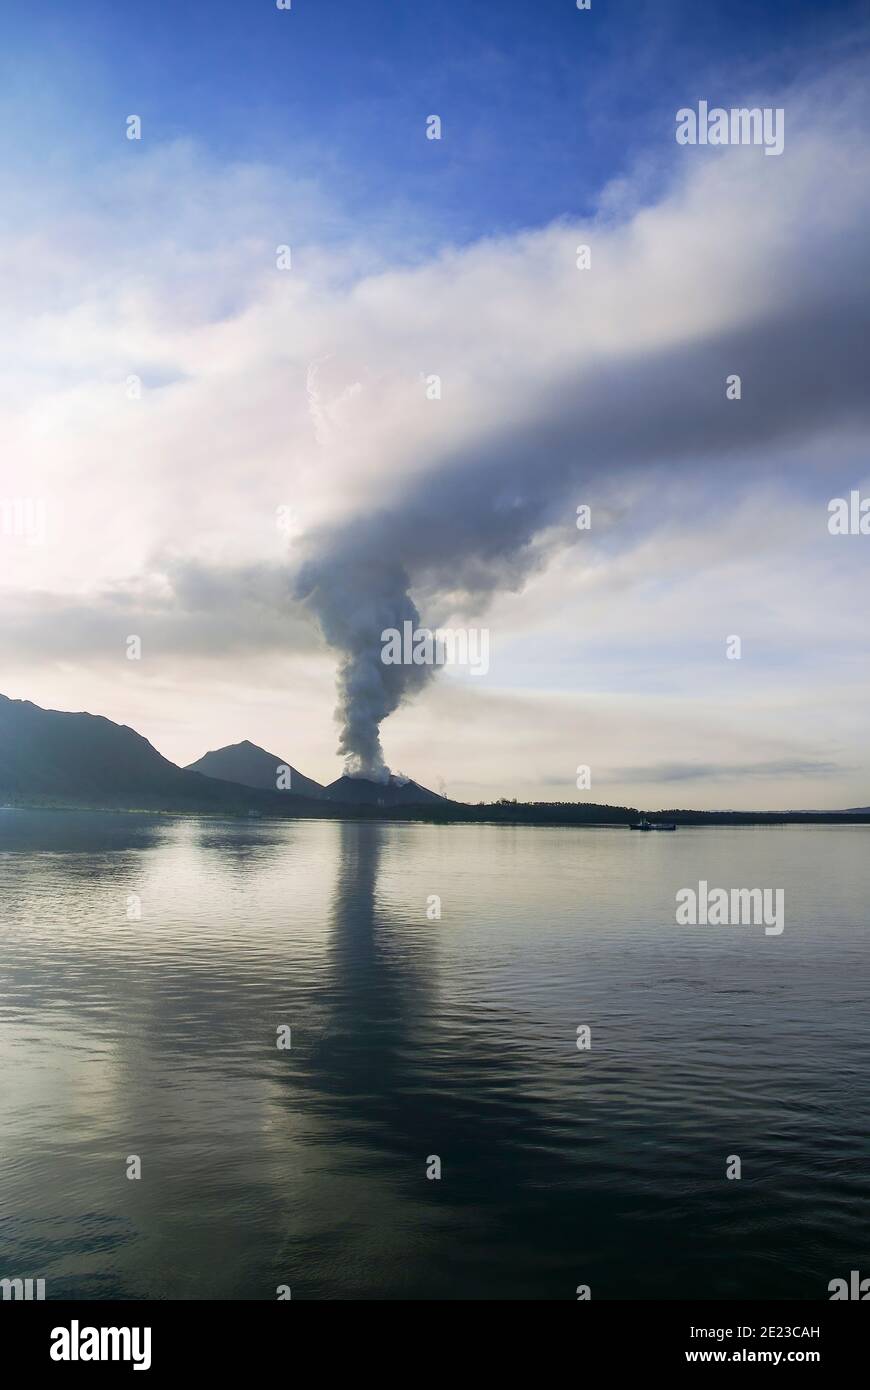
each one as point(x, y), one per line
point(235, 454)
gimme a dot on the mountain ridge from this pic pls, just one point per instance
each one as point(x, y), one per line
point(249, 765)
point(85, 761)
point(55, 756)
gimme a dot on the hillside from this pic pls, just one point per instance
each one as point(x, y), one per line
point(54, 758)
point(251, 766)
point(397, 791)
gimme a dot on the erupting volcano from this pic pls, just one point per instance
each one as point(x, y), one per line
point(392, 791)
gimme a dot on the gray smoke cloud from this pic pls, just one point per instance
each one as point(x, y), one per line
point(479, 520)
point(356, 595)
point(480, 523)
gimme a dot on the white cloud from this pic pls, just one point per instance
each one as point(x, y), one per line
point(164, 508)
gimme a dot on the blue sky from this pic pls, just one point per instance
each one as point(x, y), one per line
point(155, 262)
point(542, 104)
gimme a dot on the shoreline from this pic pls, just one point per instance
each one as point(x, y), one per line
point(564, 814)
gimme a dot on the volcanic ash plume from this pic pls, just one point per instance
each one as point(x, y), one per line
point(484, 511)
point(355, 597)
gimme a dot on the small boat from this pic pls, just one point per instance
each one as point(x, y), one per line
point(644, 824)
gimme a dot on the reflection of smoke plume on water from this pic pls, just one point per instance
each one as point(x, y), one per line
point(355, 599)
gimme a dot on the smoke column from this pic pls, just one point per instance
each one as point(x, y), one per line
point(481, 519)
point(355, 598)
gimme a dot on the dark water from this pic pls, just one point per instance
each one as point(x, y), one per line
point(414, 1037)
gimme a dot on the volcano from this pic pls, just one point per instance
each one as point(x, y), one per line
point(396, 791)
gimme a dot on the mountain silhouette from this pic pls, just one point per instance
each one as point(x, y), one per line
point(396, 791)
point(54, 758)
point(251, 766)
point(61, 759)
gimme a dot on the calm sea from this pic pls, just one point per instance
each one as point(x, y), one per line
point(416, 1038)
